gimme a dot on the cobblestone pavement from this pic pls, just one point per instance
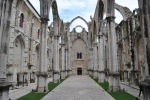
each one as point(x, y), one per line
point(133, 90)
point(17, 93)
point(78, 88)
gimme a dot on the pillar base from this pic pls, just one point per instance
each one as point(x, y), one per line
point(101, 76)
point(42, 82)
point(146, 88)
point(125, 76)
point(90, 72)
point(63, 76)
point(133, 80)
point(4, 90)
point(70, 72)
point(56, 77)
point(114, 84)
point(66, 73)
point(95, 74)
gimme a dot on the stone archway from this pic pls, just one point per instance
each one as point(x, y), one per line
point(18, 62)
point(76, 19)
point(125, 12)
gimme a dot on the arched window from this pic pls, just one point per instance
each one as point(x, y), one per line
point(79, 55)
point(21, 20)
point(38, 34)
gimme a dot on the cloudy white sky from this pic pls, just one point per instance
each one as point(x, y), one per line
point(69, 9)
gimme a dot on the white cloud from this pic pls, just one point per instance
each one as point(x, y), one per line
point(78, 22)
point(69, 9)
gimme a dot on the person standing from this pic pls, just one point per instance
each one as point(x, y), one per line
point(141, 89)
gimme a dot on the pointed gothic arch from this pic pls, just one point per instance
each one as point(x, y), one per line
point(78, 17)
point(18, 58)
point(55, 10)
point(94, 28)
point(22, 39)
point(101, 9)
point(125, 12)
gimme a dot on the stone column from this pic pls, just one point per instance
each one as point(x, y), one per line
point(113, 68)
point(69, 53)
point(5, 14)
point(101, 76)
point(42, 74)
point(66, 62)
point(90, 61)
point(63, 61)
point(145, 29)
point(56, 62)
point(95, 62)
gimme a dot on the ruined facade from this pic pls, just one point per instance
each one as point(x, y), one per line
point(106, 50)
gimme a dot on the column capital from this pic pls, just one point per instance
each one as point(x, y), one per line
point(44, 20)
point(66, 49)
point(100, 35)
point(62, 44)
point(91, 49)
point(56, 36)
point(95, 44)
point(110, 18)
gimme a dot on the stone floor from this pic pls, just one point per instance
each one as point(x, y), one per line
point(78, 88)
point(21, 91)
point(74, 88)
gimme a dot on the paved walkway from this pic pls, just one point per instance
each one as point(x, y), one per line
point(78, 88)
point(133, 90)
point(17, 93)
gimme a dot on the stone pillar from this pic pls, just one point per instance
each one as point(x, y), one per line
point(90, 62)
point(145, 29)
point(101, 76)
point(113, 68)
point(56, 63)
point(63, 61)
point(42, 74)
point(66, 62)
point(69, 53)
point(95, 62)
point(5, 14)
point(146, 88)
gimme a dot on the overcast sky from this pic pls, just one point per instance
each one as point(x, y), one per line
point(69, 9)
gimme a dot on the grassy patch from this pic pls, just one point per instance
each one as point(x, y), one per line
point(121, 95)
point(33, 96)
point(39, 96)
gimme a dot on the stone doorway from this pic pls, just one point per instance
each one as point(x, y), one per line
point(79, 71)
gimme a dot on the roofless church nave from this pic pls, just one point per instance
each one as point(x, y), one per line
point(31, 51)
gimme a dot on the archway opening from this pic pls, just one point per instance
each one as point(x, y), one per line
point(78, 22)
point(118, 16)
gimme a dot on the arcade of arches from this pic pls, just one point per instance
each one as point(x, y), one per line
point(31, 50)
